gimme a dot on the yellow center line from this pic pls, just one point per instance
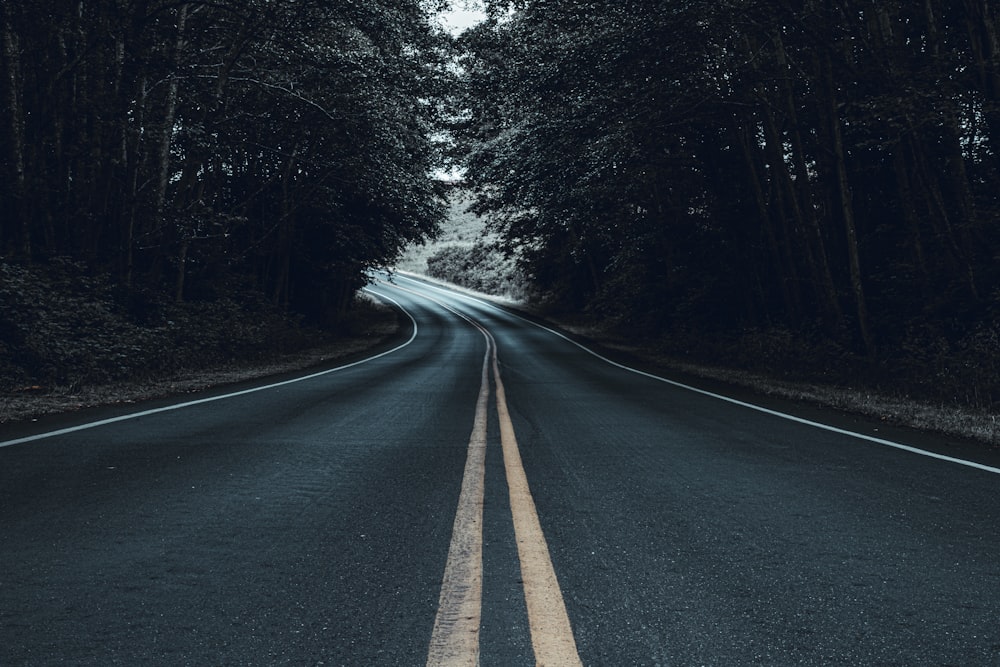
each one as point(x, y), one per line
point(455, 638)
point(551, 633)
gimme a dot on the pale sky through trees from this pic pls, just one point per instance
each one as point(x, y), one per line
point(461, 16)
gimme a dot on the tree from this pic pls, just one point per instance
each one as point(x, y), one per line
point(180, 144)
point(727, 165)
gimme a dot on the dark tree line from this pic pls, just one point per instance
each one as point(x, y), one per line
point(829, 168)
point(183, 145)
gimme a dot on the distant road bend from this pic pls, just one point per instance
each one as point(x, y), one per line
point(487, 491)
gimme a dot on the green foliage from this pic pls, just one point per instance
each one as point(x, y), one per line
point(286, 143)
point(62, 326)
point(477, 267)
point(748, 172)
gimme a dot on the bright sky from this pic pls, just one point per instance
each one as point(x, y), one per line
point(461, 16)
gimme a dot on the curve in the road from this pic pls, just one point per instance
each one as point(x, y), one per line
point(728, 399)
point(454, 641)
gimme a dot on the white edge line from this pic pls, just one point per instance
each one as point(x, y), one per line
point(178, 406)
point(727, 399)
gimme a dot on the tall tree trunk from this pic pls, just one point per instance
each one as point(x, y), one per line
point(781, 231)
point(940, 215)
point(965, 230)
point(845, 197)
point(21, 232)
point(169, 115)
point(907, 198)
point(984, 39)
point(285, 235)
point(750, 148)
point(826, 291)
point(159, 155)
point(135, 141)
point(955, 170)
point(181, 270)
point(783, 202)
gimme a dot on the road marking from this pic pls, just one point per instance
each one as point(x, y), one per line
point(188, 404)
point(455, 638)
point(728, 399)
point(452, 640)
point(551, 633)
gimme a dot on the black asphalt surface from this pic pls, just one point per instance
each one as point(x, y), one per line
point(309, 523)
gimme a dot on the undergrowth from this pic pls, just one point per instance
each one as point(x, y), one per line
point(963, 371)
point(61, 326)
point(478, 268)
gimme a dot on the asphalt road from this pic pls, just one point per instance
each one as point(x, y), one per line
point(314, 522)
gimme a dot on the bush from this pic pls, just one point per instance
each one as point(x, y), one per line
point(61, 326)
point(479, 268)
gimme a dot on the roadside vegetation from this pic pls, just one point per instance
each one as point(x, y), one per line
point(196, 150)
point(71, 339)
point(189, 185)
point(801, 190)
point(466, 253)
point(931, 384)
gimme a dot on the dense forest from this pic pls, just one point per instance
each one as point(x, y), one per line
point(788, 183)
point(283, 147)
point(185, 185)
point(756, 178)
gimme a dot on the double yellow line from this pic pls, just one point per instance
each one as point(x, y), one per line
point(455, 638)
